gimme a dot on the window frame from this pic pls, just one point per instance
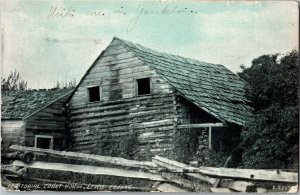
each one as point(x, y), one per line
point(88, 93)
point(44, 136)
point(137, 86)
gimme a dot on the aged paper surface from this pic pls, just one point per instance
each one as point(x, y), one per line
point(150, 96)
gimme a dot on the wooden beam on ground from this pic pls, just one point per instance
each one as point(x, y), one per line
point(87, 157)
point(249, 174)
point(91, 170)
point(174, 166)
point(192, 126)
point(244, 174)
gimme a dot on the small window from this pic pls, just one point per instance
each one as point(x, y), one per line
point(94, 94)
point(143, 86)
point(45, 142)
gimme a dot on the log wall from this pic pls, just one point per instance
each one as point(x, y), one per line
point(12, 133)
point(48, 121)
point(120, 111)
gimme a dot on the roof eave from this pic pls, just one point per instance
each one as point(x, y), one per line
point(53, 101)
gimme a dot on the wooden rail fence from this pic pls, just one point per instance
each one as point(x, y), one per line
point(162, 174)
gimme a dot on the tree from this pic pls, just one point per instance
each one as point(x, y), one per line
point(67, 84)
point(270, 140)
point(13, 82)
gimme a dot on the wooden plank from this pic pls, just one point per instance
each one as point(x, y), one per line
point(250, 174)
point(247, 174)
point(190, 126)
point(91, 170)
point(88, 157)
point(175, 166)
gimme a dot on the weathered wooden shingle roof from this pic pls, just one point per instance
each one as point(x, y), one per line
point(212, 87)
point(19, 104)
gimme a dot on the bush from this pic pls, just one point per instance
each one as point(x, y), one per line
point(126, 147)
point(270, 140)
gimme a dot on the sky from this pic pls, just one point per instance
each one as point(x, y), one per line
point(50, 41)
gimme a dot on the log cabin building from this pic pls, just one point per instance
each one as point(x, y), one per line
point(135, 101)
point(34, 118)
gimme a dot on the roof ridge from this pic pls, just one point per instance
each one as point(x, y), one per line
point(187, 60)
point(161, 52)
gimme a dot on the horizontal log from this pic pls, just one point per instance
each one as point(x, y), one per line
point(46, 123)
point(203, 125)
point(75, 128)
point(86, 147)
point(246, 174)
point(133, 100)
point(88, 157)
point(104, 129)
point(90, 170)
point(175, 166)
point(46, 118)
point(117, 133)
point(45, 128)
point(99, 114)
point(108, 120)
point(250, 174)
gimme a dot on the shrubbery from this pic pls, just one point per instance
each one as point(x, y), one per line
point(271, 140)
point(125, 147)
